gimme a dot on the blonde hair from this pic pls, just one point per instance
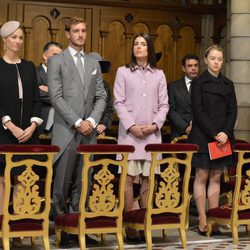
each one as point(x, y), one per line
point(213, 47)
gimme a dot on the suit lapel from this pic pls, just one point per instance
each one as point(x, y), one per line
point(69, 61)
point(184, 91)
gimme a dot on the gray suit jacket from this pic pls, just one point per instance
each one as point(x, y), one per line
point(180, 112)
point(70, 99)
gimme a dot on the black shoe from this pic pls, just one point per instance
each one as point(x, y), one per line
point(202, 233)
point(216, 233)
point(142, 236)
point(90, 241)
point(65, 242)
point(133, 240)
point(73, 237)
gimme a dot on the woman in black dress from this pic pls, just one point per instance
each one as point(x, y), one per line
point(214, 109)
point(19, 95)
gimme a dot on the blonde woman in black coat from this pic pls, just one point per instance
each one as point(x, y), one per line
point(19, 95)
point(214, 108)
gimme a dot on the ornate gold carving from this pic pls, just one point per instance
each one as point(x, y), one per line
point(102, 198)
point(27, 200)
point(245, 193)
point(168, 195)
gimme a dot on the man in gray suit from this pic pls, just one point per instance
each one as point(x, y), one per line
point(78, 97)
point(180, 112)
point(47, 112)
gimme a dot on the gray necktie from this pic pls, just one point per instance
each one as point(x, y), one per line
point(79, 66)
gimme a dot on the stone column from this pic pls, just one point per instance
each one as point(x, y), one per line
point(240, 64)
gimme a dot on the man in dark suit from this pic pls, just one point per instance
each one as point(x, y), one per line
point(180, 112)
point(47, 112)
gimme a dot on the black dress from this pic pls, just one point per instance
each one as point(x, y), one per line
point(214, 108)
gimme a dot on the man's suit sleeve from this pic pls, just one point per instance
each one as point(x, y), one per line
point(100, 96)
point(175, 118)
point(44, 96)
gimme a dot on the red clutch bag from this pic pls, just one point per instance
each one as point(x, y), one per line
point(217, 151)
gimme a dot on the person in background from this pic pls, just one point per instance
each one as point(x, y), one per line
point(77, 94)
point(19, 98)
point(47, 112)
point(180, 112)
point(107, 116)
point(214, 108)
point(141, 102)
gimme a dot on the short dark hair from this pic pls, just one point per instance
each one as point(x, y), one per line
point(151, 51)
point(189, 57)
point(49, 44)
point(73, 20)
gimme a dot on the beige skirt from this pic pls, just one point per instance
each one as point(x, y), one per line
point(137, 167)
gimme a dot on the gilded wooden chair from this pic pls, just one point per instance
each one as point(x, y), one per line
point(26, 214)
point(168, 197)
point(238, 213)
point(103, 212)
point(229, 178)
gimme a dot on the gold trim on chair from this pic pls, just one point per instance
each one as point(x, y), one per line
point(103, 214)
point(26, 213)
point(237, 213)
point(167, 199)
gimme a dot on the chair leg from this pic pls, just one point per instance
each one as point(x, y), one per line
point(182, 232)
point(209, 228)
point(248, 228)
point(148, 235)
point(187, 213)
point(119, 240)
point(6, 243)
point(235, 234)
point(103, 238)
point(33, 242)
point(58, 236)
point(164, 234)
point(46, 243)
point(82, 240)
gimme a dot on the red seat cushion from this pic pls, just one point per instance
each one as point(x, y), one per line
point(225, 212)
point(23, 225)
point(138, 215)
point(71, 220)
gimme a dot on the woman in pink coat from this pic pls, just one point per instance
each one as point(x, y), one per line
point(141, 102)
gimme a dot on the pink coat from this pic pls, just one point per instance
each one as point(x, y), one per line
point(140, 99)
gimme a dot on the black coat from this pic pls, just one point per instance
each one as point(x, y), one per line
point(214, 109)
point(9, 98)
point(107, 116)
point(180, 111)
